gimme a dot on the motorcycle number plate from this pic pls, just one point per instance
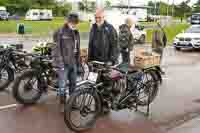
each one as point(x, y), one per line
point(93, 76)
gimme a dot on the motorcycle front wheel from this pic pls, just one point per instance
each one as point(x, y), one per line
point(28, 88)
point(82, 105)
point(6, 77)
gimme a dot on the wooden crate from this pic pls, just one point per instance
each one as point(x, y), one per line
point(146, 59)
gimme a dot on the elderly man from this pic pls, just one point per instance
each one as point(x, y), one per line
point(126, 39)
point(103, 40)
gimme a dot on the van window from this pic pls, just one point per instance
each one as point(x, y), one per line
point(41, 14)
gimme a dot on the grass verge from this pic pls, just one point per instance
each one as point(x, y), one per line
point(171, 32)
point(38, 27)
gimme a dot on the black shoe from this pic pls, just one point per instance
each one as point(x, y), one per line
point(106, 111)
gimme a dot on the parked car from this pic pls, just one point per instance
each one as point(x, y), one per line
point(188, 39)
point(195, 18)
point(150, 18)
point(3, 13)
point(139, 34)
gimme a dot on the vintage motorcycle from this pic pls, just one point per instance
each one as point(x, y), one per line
point(42, 76)
point(11, 62)
point(115, 87)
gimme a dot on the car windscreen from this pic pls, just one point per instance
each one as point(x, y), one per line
point(2, 12)
point(195, 29)
point(196, 17)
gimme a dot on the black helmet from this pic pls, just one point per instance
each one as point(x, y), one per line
point(73, 18)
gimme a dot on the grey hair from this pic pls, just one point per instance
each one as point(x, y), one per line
point(129, 21)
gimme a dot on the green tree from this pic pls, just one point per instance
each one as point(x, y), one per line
point(183, 9)
point(3, 2)
point(20, 7)
point(107, 4)
point(196, 7)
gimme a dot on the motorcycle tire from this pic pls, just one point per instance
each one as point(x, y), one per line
point(10, 78)
point(18, 81)
point(69, 107)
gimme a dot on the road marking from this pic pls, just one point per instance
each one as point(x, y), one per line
point(8, 106)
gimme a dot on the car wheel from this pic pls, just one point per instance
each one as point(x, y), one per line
point(178, 49)
point(142, 39)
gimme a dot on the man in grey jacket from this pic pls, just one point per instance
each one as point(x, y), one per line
point(103, 40)
point(66, 53)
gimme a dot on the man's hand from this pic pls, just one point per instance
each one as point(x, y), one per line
point(109, 63)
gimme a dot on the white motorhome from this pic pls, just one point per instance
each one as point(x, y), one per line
point(33, 14)
point(37, 14)
point(46, 14)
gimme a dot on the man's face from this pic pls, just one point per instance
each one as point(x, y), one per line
point(99, 18)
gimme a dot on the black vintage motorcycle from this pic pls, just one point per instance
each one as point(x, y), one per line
point(11, 62)
point(29, 86)
point(115, 87)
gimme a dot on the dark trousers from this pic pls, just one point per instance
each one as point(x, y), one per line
point(125, 56)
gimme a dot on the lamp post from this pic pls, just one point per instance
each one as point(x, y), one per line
point(173, 9)
point(155, 8)
point(168, 8)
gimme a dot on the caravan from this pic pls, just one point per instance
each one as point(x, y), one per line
point(37, 14)
point(46, 14)
point(33, 14)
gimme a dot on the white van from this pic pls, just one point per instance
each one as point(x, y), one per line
point(37, 14)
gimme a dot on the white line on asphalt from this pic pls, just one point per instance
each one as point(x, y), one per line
point(8, 106)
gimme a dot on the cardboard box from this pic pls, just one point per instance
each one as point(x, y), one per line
point(146, 59)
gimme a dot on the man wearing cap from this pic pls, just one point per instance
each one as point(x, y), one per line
point(103, 40)
point(66, 53)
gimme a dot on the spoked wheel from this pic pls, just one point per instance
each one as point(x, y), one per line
point(27, 88)
point(6, 77)
point(82, 110)
point(148, 89)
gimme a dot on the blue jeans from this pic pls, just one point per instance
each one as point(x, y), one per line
point(68, 74)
